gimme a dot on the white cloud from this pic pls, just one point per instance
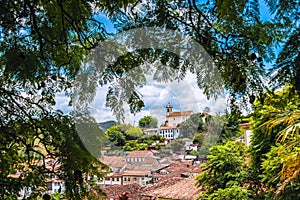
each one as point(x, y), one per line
point(62, 103)
point(183, 95)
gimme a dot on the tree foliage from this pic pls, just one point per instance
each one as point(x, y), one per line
point(131, 138)
point(116, 136)
point(177, 145)
point(225, 171)
point(27, 147)
point(148, 122)
point(194, 124)
point(275, 143)
point(44, 43)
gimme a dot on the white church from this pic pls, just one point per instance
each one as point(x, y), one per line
point(170, 130)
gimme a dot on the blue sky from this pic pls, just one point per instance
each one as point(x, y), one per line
point(264, 11)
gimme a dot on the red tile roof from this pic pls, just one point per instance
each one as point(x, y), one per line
point(136, 173)
point(168, 127)
point(113, 161)
point(138, 154)
point(177, 114)
point(114, 191)
point(173, 188)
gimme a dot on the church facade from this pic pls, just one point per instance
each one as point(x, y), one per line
point(170, 130)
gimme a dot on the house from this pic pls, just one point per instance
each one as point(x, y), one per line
point(135, 167)
point(176, 181)
point(24, 192)
point(248, 133)
point(191, 147)
point(137, 156)
point(112, 179)
point(116, 163)
point(169, 132)
point(139, 177)
point(240, 139)
point(55, 185)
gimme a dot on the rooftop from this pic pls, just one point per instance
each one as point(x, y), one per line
point(136, 173)
point(138, 154)
point(114, 191)
point(173, 188)
point(113, 161)
point(177, 114)
point(168, 127)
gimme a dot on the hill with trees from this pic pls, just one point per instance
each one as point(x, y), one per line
point(131, 138)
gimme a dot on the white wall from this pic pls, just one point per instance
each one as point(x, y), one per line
point(248, 137)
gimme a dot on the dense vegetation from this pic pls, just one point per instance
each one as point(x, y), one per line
point(148, 122)
point(44, 43)
point(131, 138)
point(269, 169)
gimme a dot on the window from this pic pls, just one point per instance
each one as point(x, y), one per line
point(118, 179)
point(126, 179)
point(135, 179)
point(113, 179)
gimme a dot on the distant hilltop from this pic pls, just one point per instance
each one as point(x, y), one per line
point(106, 125)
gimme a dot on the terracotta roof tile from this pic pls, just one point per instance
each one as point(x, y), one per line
point(173, 188)
point(183, 113)
point(138, 154)
point(114, 191)
point(168, 127)
point(136, 173)
point(114, 161)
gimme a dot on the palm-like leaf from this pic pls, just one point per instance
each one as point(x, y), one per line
point(290, 171)
point(288, 122)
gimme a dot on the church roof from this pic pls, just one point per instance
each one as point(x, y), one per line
point(168, 127)
point(178, 114)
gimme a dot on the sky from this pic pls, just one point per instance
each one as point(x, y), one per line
point(183, 96)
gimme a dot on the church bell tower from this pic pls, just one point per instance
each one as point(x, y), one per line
point(169, 109)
